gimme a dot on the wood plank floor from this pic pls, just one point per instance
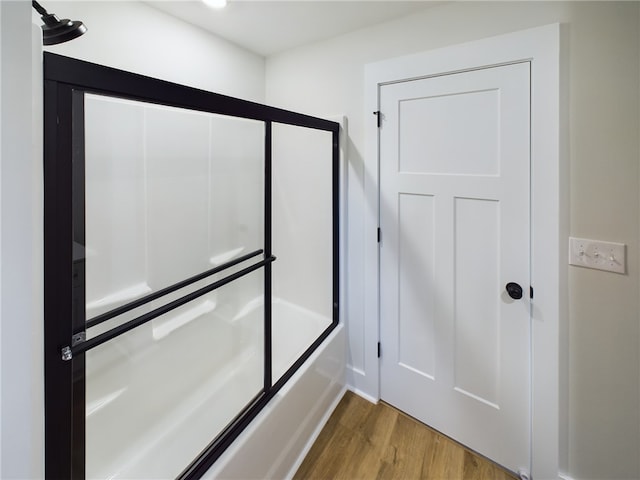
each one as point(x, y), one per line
point(366, 441)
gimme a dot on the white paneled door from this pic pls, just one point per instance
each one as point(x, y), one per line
point(454, 217)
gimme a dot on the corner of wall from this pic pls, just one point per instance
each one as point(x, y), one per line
point(563, 414)
point(37, 252)
point(21, 371)
point(188, 55)
point(1, 103)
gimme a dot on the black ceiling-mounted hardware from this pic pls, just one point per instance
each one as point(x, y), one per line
point(56, 31)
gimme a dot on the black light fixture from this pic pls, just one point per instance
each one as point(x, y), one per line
point(56, 31)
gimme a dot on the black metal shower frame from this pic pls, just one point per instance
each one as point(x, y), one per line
point(66, 80)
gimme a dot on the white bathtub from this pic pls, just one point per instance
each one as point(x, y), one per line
point(276, 442)
point(150, 397)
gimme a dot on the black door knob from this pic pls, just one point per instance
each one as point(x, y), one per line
point(514, 290)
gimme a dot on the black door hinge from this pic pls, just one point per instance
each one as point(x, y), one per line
point(378, 349)
point(379, 119)
point(530, 292)
point(379, 235)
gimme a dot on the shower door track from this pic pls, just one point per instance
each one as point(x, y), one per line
point(66, 80)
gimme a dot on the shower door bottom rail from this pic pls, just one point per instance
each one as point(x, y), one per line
point(81, 345)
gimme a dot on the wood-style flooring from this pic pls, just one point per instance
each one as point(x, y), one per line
point(366, 441)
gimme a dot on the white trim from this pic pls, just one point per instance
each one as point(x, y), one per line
point(362, 394)
point(549, 213)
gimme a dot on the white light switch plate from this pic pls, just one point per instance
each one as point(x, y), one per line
point(607, 256)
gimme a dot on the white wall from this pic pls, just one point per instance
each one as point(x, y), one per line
point(602, 386)
point(21, 348)
point(135, 37)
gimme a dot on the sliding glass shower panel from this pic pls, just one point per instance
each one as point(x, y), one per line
point(157, 395)
point(169, 193)
point(115, 202)
point(169, 325)
point(302, 239)
point(168, 201)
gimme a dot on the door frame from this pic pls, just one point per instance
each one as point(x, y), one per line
point(549, 219)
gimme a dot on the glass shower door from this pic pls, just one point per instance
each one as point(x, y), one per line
point(167, 332)
point(170, 195)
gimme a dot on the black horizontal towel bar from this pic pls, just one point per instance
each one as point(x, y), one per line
point(170, 289)
point(85, 345)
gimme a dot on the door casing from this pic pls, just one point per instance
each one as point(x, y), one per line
point(549, 220)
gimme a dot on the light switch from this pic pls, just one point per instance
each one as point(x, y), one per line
point(607, 256)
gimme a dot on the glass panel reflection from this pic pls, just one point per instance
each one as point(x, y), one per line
point(169, 193)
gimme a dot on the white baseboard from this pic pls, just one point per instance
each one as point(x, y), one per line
point(362, 394)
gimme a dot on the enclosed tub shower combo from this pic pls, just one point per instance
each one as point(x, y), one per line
point(191, 267)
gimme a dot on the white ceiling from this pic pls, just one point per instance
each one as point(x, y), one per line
point(267, 27)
